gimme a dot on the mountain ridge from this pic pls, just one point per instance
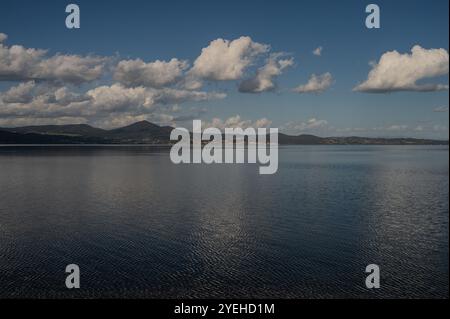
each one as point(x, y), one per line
point(145, 132)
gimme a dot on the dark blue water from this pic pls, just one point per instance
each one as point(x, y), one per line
point(140, 226)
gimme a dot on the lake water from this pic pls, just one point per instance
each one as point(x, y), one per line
point(140, 226)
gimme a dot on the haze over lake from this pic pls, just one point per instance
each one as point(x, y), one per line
point(140, 226)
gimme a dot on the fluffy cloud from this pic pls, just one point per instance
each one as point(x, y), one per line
point(401, 72)
point(18, 63)
point(116, 98)
point(316, 84)
point(99, 105)
point(41, 101)
point(263, 122)
point(63, 88)
point(49, 91)
point(157, 74)
point(63, 96)
point(226, 60)
point(21, 93)
point(264, 78)
point(318, 51)
point(70, 69)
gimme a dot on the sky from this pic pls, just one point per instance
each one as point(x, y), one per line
point(302, 66)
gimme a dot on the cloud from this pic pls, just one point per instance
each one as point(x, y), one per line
point(70, 69)
point(318, 51)
point(225, 60)
point(124, 119)
point(63, 88)
point(422, 129)
point(21, 93)
point(98, 105)
point(171, 96)
point(47, 89)
point(397, 127)
point(401, 72)
point(116, 98)
point(42, 101)
point(132, 73)
point(108, 122)
point(236, 122)
point(440, 128)
point(192, 113)
point(18, 63)
point(316, 84)
point(264, 78)
point(63, 96)
point(26, 121)
point(441, 109)
point(310, 125)
point(190, 82)
point(261, 123)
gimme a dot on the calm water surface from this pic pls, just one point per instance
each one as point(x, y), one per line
point(140, 226)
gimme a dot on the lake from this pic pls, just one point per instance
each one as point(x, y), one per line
point(139, 226)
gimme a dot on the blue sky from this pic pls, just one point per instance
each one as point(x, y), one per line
point(151, 30)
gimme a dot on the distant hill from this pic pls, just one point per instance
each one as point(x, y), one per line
point(145, 132)
point(142, 132)
point(7, 137)
point(305, 139)
point(72, 130)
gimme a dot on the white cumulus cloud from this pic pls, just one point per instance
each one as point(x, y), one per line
point(101, 104)
point(18, 63)
point(316, 84)
point(116, 98)
point(264, 78)
point(225, 60)
point(401, 72)
point(157, 74)
point(21, 93)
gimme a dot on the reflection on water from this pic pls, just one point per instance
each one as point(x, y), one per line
point(140, 226)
